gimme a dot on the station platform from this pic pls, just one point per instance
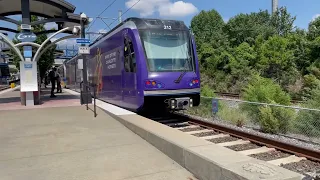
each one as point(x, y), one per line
point(61, 140)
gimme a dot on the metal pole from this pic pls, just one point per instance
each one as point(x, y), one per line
point(36, 56)
point(120, 15)
point(84, 71)
point(94, 99)
point(274, 6)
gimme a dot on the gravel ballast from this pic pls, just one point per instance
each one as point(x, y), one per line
point(305, 167)
point(203, 134)
point(252, 131)
point(269, 156)
point(223, 139)
point(191, 129)
point(243, 147)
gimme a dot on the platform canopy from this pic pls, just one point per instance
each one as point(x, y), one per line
point(58, 11)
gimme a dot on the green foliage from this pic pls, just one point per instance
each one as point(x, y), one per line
point(247, 27)
point(307, 122)
point(314, 29)
point(271, 119)
point(266, 59)
point(257, 43)
point(233, 115)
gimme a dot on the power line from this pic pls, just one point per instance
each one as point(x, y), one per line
point(102, 13)
point(119, 17)
point(126, 11)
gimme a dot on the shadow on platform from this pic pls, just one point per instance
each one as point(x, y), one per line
point(45, 96)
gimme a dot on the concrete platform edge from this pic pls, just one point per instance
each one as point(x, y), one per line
point(204, 159)
point(202, 166)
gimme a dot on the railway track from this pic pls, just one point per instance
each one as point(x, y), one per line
point(295, 158)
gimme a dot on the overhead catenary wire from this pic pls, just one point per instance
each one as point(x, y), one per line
point(120, 16)
point(102, 13)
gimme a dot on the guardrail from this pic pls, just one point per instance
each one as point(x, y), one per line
point(89, 88)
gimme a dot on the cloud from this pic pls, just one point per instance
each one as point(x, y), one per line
point(315, 17)
point(51, 25)
point(165, 8)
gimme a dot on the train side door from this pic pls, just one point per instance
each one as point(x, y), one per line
point(129, 74)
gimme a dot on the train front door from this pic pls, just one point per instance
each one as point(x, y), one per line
point(129, 78)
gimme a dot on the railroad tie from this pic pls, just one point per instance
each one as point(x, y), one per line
point(191, 126)
point(232, 143)
point(286, 160)
point(256, 151)
point(215, 136)
point(199, 131)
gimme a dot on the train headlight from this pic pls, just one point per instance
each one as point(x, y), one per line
point(194, 82)
point(173, 103)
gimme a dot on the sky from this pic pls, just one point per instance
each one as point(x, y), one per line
point(304, 10)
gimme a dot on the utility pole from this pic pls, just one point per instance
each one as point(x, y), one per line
point(274, 6)
point(86, 97)
point(120, 15)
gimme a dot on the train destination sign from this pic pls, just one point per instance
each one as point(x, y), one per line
point(26, 37)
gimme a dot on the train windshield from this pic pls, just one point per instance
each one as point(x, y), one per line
point(167, 51)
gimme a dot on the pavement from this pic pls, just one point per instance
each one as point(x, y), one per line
point(61, 140)
point(10, 100)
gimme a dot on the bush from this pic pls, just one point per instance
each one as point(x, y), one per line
point(308, 122)
point(233, 115)
point(270, 119)
point(267, 120)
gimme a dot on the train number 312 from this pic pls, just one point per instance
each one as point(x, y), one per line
point(166, 27)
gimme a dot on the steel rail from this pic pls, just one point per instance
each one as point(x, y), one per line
point(286, 147)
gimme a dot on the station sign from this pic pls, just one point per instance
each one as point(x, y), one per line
point(84, 50)
point(27, 51)
point(26, 37)
point(83, 41)
point(28, 76)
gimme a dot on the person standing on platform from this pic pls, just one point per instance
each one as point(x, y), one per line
point(59, 90)
point(52, 76)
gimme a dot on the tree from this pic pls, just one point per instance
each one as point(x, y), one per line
point(282, 21)
point(47, 59)
point(246, 27)
point(207, 27)
point(314, 29)
point(275, 58)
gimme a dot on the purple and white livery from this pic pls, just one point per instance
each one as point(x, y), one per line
point(143, 63)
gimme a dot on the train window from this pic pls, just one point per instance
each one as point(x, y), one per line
point(129, 56)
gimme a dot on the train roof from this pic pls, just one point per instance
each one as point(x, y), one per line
point(148, 23)
point(143, 23)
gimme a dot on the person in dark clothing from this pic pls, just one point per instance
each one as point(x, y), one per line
point(52, 76)
point(59, 89)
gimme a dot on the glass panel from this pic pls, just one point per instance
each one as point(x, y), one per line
point(167, 50)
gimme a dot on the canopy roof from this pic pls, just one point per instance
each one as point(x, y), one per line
point(44, 8)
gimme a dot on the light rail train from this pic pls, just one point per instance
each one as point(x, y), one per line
point(141, 64)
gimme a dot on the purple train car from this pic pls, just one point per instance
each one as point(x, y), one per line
point(144, 63)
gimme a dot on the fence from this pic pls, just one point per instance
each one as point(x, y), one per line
point(89, 89)
point(297, 122)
